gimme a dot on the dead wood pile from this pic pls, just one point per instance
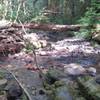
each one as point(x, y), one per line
point(10, 39)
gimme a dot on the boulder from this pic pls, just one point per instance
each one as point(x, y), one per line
point(58, 86)
point(54, 75)
point(74, 69)
point(62, 93)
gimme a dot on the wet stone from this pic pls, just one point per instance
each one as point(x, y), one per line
point(74, 69)
point(62, 94)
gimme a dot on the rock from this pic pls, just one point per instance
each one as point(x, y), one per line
point(61, 88)
point(97, 79)
point(89, 88)
point(62, 93)
point(43, 43)
point(74, 69)
point(13, 91)
point(91, 71)
point(75, 92)
point(54, 75)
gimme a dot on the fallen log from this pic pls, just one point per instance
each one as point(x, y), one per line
point(49, 27)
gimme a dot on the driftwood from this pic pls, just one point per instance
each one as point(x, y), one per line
point(49, 27)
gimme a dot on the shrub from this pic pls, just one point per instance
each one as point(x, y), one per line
point(90, 19)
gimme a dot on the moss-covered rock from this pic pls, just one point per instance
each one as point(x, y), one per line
point(62, 93)
point(59, 87)
point(89, 88)
point(54, 75)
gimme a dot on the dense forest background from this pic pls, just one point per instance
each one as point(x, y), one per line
point(49, 49)
point(85, 12)
point(56, 11)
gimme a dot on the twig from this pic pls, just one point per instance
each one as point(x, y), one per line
point(22, 27)
point(35, 56)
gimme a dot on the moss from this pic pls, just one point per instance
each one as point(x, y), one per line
point(24, 97)
point(89, 89)
point(53, 75)
point(1, 75)
point(59, 83)
point(47, 87)
point(2, 92)
point(75, 92)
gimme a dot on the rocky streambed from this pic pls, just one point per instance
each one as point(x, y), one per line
point(70, 70)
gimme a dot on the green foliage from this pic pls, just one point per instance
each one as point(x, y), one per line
point(1, 11)
point(25, 11)
point(61, 11)
point(83, 33)
point(1, 75)
point(92, 14)
point(29, 46)
point(40, 18)
point(90, 19)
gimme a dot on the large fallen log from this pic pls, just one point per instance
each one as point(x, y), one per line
point(49, 27)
